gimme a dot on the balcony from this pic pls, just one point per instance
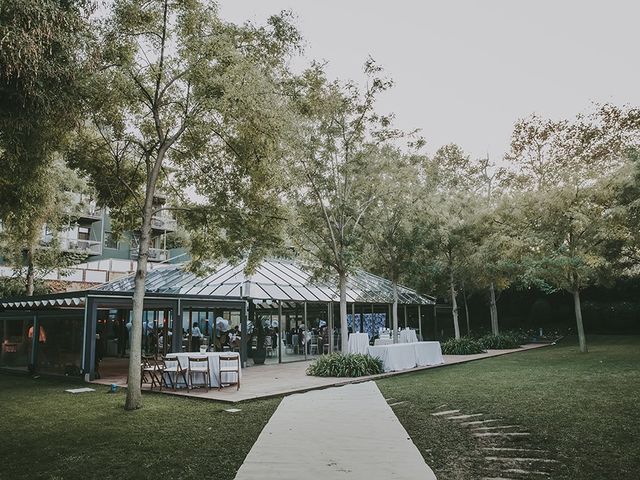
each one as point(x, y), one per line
point(155, 254)
point(83, 207)
point(75, 245)
point(165, 224)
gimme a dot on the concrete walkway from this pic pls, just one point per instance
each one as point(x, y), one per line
point(347, 432)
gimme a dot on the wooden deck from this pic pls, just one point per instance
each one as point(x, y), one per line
point(266, 381)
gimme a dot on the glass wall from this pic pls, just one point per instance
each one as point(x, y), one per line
point(16, 333)
point(59, 346)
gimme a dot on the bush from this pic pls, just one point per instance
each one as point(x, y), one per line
point(351, 365)
point(462, 346)
point(502, 341)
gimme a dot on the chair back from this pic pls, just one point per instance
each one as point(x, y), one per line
point(198, 361)
point(170, 363)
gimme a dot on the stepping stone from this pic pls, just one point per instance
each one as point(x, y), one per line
point(441, 406)
point(478, 422)
point(507, 449)
point(520, 459)
point(397, 403)
point(446, 412)
point(464, 417)
point(232, 410)
point(526, 472)
point(496, 428)
point(389, 399)
point(501, 434)
point(80, 390)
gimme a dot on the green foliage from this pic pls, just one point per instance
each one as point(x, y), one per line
point(502, 341)
point(462, 346)
point(350, 365)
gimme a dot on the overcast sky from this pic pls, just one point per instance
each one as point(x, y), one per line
point(466, 70)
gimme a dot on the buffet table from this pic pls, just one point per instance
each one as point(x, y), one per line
point(403, 356)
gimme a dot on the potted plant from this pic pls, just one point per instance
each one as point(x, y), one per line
point(260, 353)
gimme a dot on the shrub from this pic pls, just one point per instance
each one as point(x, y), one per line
point(501, 341)
point(462, 346)
point(350, 365)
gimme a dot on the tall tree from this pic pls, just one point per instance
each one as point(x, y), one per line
point(45, 58)
point(450, 186)
point(566, 202)
point(391, 227)
point(332, 169)
point(187, 100)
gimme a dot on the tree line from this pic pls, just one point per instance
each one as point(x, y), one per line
point(258, 159)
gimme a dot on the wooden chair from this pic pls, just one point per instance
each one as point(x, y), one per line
point(228, 368)
point(314, 345)
point(268, 345)
point(151, 372)
point(199, 366)
point(172, 366)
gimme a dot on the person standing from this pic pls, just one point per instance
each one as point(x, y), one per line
point(196, 338)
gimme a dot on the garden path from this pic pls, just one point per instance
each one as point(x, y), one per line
point(347, 432)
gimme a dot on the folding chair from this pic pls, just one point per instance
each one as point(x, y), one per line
point(172, 366)
point(150, 372)
point(231, 365)
point(199, 366)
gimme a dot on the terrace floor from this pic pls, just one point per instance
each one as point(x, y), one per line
point(279, 379)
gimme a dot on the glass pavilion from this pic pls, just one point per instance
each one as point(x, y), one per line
point(279, 303)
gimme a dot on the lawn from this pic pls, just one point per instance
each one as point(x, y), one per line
point(582, 409)
point(47, 433)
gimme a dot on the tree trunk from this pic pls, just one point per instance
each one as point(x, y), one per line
point(454, 307)
point(466, 309)
point(394, 312)
point(134, 392)
point(344, 329)
point(578, 310)
point(493, 309)
point(31, 273)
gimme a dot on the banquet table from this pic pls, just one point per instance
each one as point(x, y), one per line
point(383, 341)
point(428, 353)
point(358, 343)
point(402, 356)
point(214, 366)
point(398, 356)
point(408, 336)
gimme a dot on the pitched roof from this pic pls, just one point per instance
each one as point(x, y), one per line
point(273, 279)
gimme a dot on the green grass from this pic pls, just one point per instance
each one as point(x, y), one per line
point(582, 408)
point(47, 433)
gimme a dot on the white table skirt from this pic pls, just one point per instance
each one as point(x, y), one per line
point(402, 356)
point(428, 353)
point(407, 336)
point(399, 356)
point(214, 367)
point(358, 343)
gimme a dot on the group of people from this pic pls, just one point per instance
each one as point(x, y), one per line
point(216, 338)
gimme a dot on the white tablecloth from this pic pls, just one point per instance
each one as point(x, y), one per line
point(402, 356)
point(428, 353)
point(399, 356)
point(214, 366)
point(383, 341)
point(407, 336)
point(358, 343)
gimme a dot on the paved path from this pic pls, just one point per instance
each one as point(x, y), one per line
point(347, 432)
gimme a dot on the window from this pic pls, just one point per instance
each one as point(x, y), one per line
point(110, 240)
point(84, 233)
